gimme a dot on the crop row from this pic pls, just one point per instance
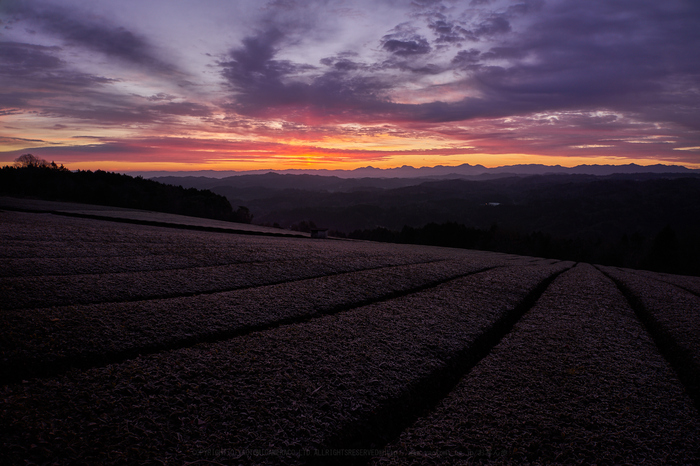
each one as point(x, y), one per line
point(688, 283)
point(331, 381)
point(43, 236)
point(59, 290)
point(672, 315)
point(129, 261)
point(46, 340)
point(285, 351)
point(219, 262)
point(46, 267)
point(577, 381)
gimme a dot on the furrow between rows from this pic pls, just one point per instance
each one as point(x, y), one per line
point(688, 283)
point(163, 243)
point(376, 430)
point(47, 341)
point(31, 292)
point(40, 237)
point(50, 267)
point(232, 228)
point(577, 381)
point(672, 317)
point(57, 269)
point(294, 389)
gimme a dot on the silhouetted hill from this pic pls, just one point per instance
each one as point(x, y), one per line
point(252, 186)
point(616, 219)
point(568, 205)
point(564, 205)
point(113, 189)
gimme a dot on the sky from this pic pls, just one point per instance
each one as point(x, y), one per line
point(243, 85)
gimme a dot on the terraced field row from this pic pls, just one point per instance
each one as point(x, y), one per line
point(36, 237)
point(206, 269)
point(139, 217)
point(577, 381)
point(672, 314)
point(327, 382)
point(324, 352)
point(48, 340)
point(37, 229)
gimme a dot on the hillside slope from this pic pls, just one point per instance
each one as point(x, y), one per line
point(125, 343)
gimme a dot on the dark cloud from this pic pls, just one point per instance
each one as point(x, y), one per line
point(181, 109)
point(504, 53)
point(4, 139)
point(415, 69)
point(447, 32)
point(161, 96)
point(29, 70)
point(34, 79)
point(414, 45)
point(496, 24)
point(264, 85)
point(122, 111)
point(11, 102)
point(19, 60)
point(253, 66)
point(473, 26)
point(91, 33)
point(466, 59)
point(428, 69)
point(113, 42)
point(404, 41)
point(347, 65)
point(345, 62)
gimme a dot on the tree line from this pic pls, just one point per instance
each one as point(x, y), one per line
point(36, 178)
point(667, 251)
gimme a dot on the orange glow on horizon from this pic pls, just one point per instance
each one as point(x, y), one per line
point(322, 162)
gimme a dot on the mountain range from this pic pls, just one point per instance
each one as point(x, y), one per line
point(567, 205)
point(464, 170)
point(639, 217)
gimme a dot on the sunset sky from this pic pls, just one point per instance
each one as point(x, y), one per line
point(240, 85)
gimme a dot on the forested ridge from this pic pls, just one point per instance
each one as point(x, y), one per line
point(667, 251)
point(636, 220)
point(35, 178)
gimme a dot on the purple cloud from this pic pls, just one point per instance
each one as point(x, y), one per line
point(405, 43)
point(84, 31)
point(263, 84)
point(29, 70)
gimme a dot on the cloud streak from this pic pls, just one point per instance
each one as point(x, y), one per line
point(80, 30)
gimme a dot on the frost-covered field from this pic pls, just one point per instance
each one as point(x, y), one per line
point(125, 343)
